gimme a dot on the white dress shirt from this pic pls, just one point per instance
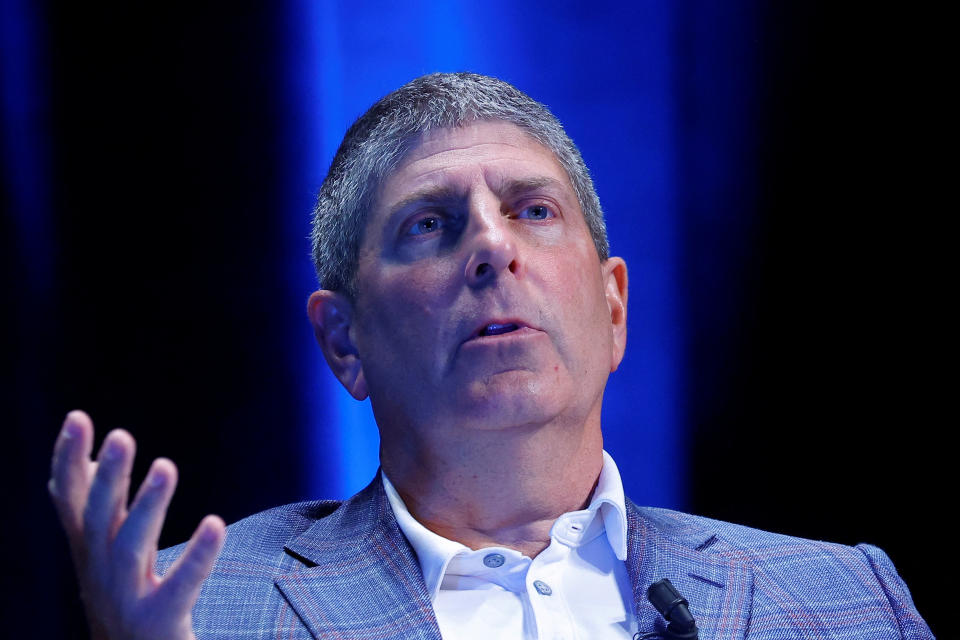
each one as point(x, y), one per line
point(576, 588)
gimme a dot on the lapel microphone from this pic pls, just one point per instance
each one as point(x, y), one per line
point(673, 607)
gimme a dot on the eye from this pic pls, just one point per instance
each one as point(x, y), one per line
point(536, 212)
point(425, 225)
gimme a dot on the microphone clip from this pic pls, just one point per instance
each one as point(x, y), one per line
point(674, 609)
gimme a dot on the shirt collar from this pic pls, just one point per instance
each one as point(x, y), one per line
point(434, 552)
point(608, 499)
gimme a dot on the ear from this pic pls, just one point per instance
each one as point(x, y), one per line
point(614, 272)
point(331, 314)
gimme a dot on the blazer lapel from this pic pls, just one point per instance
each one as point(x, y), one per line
point(358, 578)
point(715, 580)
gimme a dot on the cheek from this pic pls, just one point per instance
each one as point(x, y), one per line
point(576, 285)
point(425, 292)
point(576, 299)
point(403, 311)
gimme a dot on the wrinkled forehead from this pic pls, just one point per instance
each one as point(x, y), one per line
point(446, 148)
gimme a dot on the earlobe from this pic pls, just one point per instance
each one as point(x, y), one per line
point(331, 315)
point(615, 291)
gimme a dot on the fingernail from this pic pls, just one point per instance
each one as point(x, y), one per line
point(114, 450)
point(208, 537)
point(70, 430)
point(157, 479)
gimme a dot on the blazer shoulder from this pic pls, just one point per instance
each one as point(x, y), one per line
point(764, 550)
point(810, 580)
point(262, 535)
point(718, 536)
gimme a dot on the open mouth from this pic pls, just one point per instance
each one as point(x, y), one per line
point(494, 329)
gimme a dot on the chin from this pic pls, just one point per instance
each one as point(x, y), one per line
point(512, 399)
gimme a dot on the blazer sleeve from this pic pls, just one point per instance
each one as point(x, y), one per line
point(912, 626)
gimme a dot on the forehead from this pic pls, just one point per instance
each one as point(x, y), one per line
point(492, 151)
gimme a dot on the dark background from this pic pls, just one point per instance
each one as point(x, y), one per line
point(145, 287)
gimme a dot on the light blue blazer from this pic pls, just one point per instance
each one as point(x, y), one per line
point(344, 570)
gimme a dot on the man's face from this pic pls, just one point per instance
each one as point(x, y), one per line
point(482, 302)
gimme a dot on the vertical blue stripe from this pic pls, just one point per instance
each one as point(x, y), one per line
point(357, 440)
point(304, 155)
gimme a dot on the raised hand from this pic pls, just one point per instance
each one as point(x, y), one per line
point(114, 547)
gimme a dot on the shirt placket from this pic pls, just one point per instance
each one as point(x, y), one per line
point(544, 589)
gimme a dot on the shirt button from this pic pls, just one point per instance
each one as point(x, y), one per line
point(542, 587)
point(493, 560)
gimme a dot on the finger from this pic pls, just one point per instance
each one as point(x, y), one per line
point(106, 505)
point(136, 543)
point(70, 475)
point(178, 591)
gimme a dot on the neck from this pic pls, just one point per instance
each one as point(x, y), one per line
point(504, 487)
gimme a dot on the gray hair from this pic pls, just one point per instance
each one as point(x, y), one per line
point(377, 142)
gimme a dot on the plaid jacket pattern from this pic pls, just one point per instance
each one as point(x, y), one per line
point(345, 571)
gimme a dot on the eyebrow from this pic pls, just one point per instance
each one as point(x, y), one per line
point(440, 194)
point(428, 195)
point(513, 187)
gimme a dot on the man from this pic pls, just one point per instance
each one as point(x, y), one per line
point(468, 292)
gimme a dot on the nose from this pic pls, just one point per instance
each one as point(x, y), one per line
point(491, 246)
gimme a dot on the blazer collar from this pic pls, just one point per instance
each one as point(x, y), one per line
point(359, 578)
point(716, 579)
